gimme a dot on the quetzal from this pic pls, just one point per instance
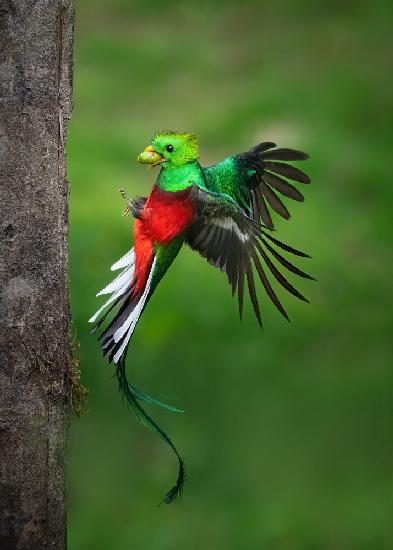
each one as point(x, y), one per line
point(222, 212)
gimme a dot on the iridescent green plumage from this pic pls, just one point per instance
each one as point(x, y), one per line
point(251, 179)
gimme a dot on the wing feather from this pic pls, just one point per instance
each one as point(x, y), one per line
point(263, 209)
point(234, 243)
point(240, 290)
point(251, 179)
point(284, 262)
point(278, 276)
point(269, 290)
point(289, 171)
point(284, 154)
point(252, 292)
point(275, 202)
point(282, 186)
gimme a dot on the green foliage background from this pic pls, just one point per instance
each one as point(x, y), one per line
point(288, 433)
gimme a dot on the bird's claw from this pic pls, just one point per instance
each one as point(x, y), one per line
point(124, 195)
point(127, 209)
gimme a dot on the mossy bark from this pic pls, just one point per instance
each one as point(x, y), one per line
point(35, 105)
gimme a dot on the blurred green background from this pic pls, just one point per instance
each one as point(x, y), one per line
point(288, 433)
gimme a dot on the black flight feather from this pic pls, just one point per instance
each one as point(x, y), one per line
point(275, 202)
point(282, 186)
point(260, 172)
point(288, 171)
point(284, 262)
point(252, 291)
point(284, 154)
point(231, 241)
point(285, 246)
point(278, 276)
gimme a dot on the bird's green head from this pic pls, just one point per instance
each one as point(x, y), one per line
point(170, 149)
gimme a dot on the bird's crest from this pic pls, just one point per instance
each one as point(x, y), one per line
point(186, 136)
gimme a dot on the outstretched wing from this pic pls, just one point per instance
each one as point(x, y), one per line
point(254, 178)
point(233, 242)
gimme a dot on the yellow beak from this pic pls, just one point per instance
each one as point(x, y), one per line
point(150, 156)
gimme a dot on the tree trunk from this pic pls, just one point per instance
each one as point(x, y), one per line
point(35, 105)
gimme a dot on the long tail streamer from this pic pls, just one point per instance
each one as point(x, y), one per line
point(132, 395)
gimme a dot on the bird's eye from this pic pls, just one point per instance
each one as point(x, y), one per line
point(169, 148)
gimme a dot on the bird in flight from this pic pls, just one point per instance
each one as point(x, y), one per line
point(224, 212)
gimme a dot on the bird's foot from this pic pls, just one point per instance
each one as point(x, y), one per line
point(127, 210)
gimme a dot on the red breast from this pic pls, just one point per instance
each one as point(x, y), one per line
point(167, 214)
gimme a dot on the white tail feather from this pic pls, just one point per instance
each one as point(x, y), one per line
point(120, 284)
point(121, 291)
point(124, 261)
point(129, 324)
point(125, 275)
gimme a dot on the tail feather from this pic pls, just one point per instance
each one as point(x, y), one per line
point(116, 336)
point(119, 288)
point(129, 303)
point(131, 398)
point(124, 261)
point(117, 296)
point(123, 333)
point(121, 280)
point(141, 396)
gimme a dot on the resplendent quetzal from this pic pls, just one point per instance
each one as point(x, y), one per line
point(221, 211)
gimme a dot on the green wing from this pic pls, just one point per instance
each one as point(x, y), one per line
point(253, 179)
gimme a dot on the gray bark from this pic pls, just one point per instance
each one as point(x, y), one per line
point(35, 105)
